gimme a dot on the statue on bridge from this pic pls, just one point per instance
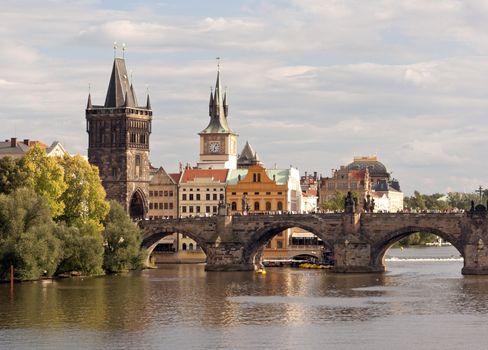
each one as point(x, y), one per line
point(245, 205)
point(349, 203)
point(368, 204)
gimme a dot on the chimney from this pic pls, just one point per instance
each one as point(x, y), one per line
point(13, 142)
point(26, 142)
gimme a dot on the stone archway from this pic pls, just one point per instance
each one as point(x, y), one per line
point(152, 239)
point(253, 250)
point(379, 250)
point(137, 206)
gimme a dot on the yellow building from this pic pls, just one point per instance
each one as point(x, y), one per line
point(256, 190)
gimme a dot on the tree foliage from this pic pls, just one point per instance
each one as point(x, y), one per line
point(46, 176)
point(84, 198)
point(336, 203)
point(27, 238)
point(12, 175)
point(122, 241)
point(82, 248)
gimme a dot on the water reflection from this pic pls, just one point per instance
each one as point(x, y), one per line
point(180, 305)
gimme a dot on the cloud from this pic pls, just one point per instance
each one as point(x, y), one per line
point(310, 82)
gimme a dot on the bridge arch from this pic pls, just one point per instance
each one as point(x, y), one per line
point(152, 237)
point(378, 251)
point(257, 241)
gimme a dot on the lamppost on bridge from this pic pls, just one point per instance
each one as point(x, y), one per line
point(480, 191)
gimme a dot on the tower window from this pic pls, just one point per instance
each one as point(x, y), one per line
point(138, 167)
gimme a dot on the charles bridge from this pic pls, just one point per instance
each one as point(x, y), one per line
point(358, 241)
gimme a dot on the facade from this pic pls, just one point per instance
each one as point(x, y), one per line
point(218, 143)
point(163, 203)
point(309, 186)
point(200, 193)
point(118, 142)
point(344, 180)
point(388, 197)
point(18, 148)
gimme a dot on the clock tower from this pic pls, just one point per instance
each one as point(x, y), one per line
point(218, 143)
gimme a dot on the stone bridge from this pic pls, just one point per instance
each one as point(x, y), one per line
point(358, 241)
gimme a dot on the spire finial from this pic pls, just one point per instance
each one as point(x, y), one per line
point(89, 88)
point(218, 64)
point(123, 54)
point(115, 49)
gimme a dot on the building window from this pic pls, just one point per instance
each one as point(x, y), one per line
point(165, 205)
point(280, 193)
point(207, 209)
point(170, 193)
point(268, 206)
point(259, 177)
point(151, 206)
point(254, 177)
point(138, 168)
point(171, 206)
point(190, 208)
point(183, 197)
point(256, 206)
point(214, 208)
point(234, 206)
point(160, 193)
point(166, 193)
point(151, 193)
point(279, 244)
point(191, 196)
point(190, 246)
point(256, 193)
point(183, 246)
point(221, 197)
point(268, 193)
point(207, 196)
point(234, 193)
point(280, 206)
point(215, 196)
point(183, 209)
point(197, 208)
point(198, 196)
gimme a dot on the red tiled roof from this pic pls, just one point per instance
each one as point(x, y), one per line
point(357, 174)
point(217, 174)
point(175, 177)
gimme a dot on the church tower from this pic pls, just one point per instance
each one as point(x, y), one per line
point(118, 142)
point(218, 143)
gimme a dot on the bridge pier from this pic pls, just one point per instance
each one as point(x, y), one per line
point(475, 258)
point(354, 257)
point(227, 257)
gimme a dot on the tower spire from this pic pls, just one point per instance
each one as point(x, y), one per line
point(89, 103)
point(148, 102)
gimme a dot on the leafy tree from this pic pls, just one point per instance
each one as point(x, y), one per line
point(82, 248)
point(336, 203)
point(46, 176)
point(27, 236)
point(12, 175)
point(122, 241)
point(84, 197)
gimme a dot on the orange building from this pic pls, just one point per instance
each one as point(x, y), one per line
point(256, 190)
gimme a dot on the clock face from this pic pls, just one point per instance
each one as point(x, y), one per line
point(214, 147)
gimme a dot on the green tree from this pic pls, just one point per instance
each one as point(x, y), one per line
point(336, 203)
point(84, 197)
point(12, 175)
point(27, 237)
point(46, 176)
point(82, 248)
point(122, 241)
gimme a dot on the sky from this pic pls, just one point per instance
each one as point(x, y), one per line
point(310, 83)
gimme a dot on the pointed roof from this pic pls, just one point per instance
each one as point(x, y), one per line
point(218, 112)
point(89, 103)
point(148, 102)
point(248, 157)
point(119, 87)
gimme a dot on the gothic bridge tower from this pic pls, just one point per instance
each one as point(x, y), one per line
point(118, 142)
point(218, 143)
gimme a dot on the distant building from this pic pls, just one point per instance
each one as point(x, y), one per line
point(309, 184)
point(18, 148)
point(364, 176)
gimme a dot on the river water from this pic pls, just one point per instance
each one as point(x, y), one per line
point(422, 302)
